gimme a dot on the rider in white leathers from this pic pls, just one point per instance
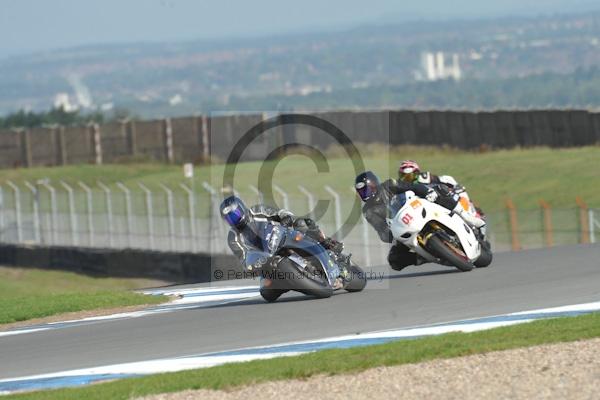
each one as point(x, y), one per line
point(409, 171)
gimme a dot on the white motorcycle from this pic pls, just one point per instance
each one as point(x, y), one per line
point(436, 233)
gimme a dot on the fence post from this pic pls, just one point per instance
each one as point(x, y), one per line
point(61, 145)
point(338, 212)
point(168, 140)
point(26, 157)
point(53, 210)
point(192, 213)
point(97, 143)
point(583, 220)
point(593, 223)
point(311, 201)
point(514, 225)
point(205, 139)
point(127, 212)
point(17, 192)
point(214, 214)
point(548, 231)
point(171, 212)
point(211, 210)
point(72, 215)
point(36, 211)
point(1, 212)
point(284, 196)
point(90, 215)
point(109, 213)
point(149, 214)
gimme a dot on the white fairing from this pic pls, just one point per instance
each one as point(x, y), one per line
point(410, 220)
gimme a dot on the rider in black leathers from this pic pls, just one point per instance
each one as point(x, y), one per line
point(242, 234)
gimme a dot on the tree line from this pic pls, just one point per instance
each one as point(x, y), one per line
point(59, 116)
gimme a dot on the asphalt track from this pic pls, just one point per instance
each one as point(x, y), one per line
point(419, 295)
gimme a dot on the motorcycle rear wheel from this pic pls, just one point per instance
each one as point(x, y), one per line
point(270, 295)
point(486, 257)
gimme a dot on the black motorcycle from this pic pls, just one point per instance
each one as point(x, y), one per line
point(287, 259)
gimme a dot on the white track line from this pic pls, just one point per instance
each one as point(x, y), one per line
point(89, 375)
point(186, 299)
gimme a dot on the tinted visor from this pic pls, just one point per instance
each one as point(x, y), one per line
point(408, 176)
point(366, 190)
point(233, 214)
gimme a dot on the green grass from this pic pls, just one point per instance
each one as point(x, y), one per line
point(526, 175)
point(29, 293)
point(331, 362)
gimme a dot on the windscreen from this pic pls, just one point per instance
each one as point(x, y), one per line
point(396, 204)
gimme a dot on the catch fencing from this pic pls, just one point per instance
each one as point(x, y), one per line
point(185, 218)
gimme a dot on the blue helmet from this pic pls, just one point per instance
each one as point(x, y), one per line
point(234, 212)
point(366, 185)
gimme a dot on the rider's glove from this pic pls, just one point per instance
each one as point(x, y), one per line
point(431, 196)
point(334, 245)
point(286, 217)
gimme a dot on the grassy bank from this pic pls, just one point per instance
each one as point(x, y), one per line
point(332, 362)
point(526, 175)
point(29, 293)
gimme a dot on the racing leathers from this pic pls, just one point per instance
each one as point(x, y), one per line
point(240, 240)
point(464, 207)
point(375, 211)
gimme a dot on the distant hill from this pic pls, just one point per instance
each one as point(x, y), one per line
point(374, 63)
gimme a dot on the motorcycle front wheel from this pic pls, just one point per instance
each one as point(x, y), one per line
point(449, 252)
point(300, 280)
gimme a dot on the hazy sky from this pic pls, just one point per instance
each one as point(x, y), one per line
point(34, 25)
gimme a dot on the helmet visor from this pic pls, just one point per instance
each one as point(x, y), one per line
point(233, 215)
point(366, 190)
point(407, 175)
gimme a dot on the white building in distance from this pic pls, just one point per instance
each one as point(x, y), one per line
point(435, 68)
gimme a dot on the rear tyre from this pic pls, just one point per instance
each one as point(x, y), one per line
point(358, 279)
point(447, 252)
point(486, 257)
point(271, 295)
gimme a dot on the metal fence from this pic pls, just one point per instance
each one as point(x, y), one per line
point(181, 218)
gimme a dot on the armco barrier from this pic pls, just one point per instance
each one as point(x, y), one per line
point(198, 138)
point(128, 263)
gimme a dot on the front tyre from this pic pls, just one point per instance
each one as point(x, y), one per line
point(450, 253)
point(310, 284)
